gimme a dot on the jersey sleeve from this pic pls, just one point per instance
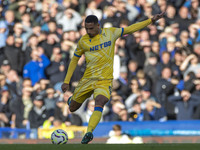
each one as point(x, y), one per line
point(137, 26)
point(71, 68)
point(79, 50)
point(117, 32)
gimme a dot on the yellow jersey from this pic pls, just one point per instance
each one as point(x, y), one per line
point(99, 53)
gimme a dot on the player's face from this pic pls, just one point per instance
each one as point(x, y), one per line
point(92, 29)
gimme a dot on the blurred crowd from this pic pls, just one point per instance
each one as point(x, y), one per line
point(156, 69)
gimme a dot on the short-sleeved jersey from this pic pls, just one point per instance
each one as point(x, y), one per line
point(99, 53)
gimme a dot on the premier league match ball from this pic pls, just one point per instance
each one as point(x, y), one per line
point(59, 137)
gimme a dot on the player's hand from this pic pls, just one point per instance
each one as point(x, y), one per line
point(158, 16)
point(65, 87)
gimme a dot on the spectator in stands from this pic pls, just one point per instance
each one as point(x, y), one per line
point(128, 39)
point(13, 53)
point(18, 8)
point(27, 26)
point(21, 107)
point(50, 100)
point(159, 6)
point(92, 9)
point(189, 82)
point(190, 64)
point(185, 103)
point(8, 49)
point(135, 50)
point(143, 79)
point(5, 67)
point(170, 14)
point(132, 69)
point(113, 115)
point(121, 9)
point(116, 136)
point(148, 11)
point(35, 69)
point(17, 62)
point(156, 48)
point(9, 21)
point(150, 69)
point(18, 31)
point(153, 33)
point(176, 62)
point(59, 30)
point(154, 111)
point(123, 82)
point(38, 113)
point(146, 94)
point(120, 47)
point(43, 20)
point(133, 12)
point(43, 85)
point(109, 16)
point(135, 91)
point(171, 47)
point(194, 35)
point(175, 30)
point(50, 43)
point(66, 47)
point(165, 62)
point(57, 69)
point(182, 19)
point(14, 82)
point(193, 6)
point(123, 114)
point(136, 113)
point(21, 83)
point(184, 40)
point(52, 27)
point(70, 19)
point(5, 112)
point(32, 43)
point(164, 88)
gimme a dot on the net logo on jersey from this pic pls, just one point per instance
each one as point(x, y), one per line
point(100, 46)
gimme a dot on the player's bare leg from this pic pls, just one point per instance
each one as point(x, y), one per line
point(73, 105)
point(100, 101)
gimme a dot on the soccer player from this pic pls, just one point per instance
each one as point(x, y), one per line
point(98, 47)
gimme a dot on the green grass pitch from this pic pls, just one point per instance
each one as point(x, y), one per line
point(100, 147)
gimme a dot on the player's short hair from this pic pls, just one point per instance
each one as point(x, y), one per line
point(91, 19)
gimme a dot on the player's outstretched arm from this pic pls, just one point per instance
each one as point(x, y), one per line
point(70, 71)
point(140, 25)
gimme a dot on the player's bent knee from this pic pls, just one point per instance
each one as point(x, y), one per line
point(101, 100)
point(74, 106)
point(72, 109)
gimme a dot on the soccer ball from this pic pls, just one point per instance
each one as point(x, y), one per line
point(59, 136)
